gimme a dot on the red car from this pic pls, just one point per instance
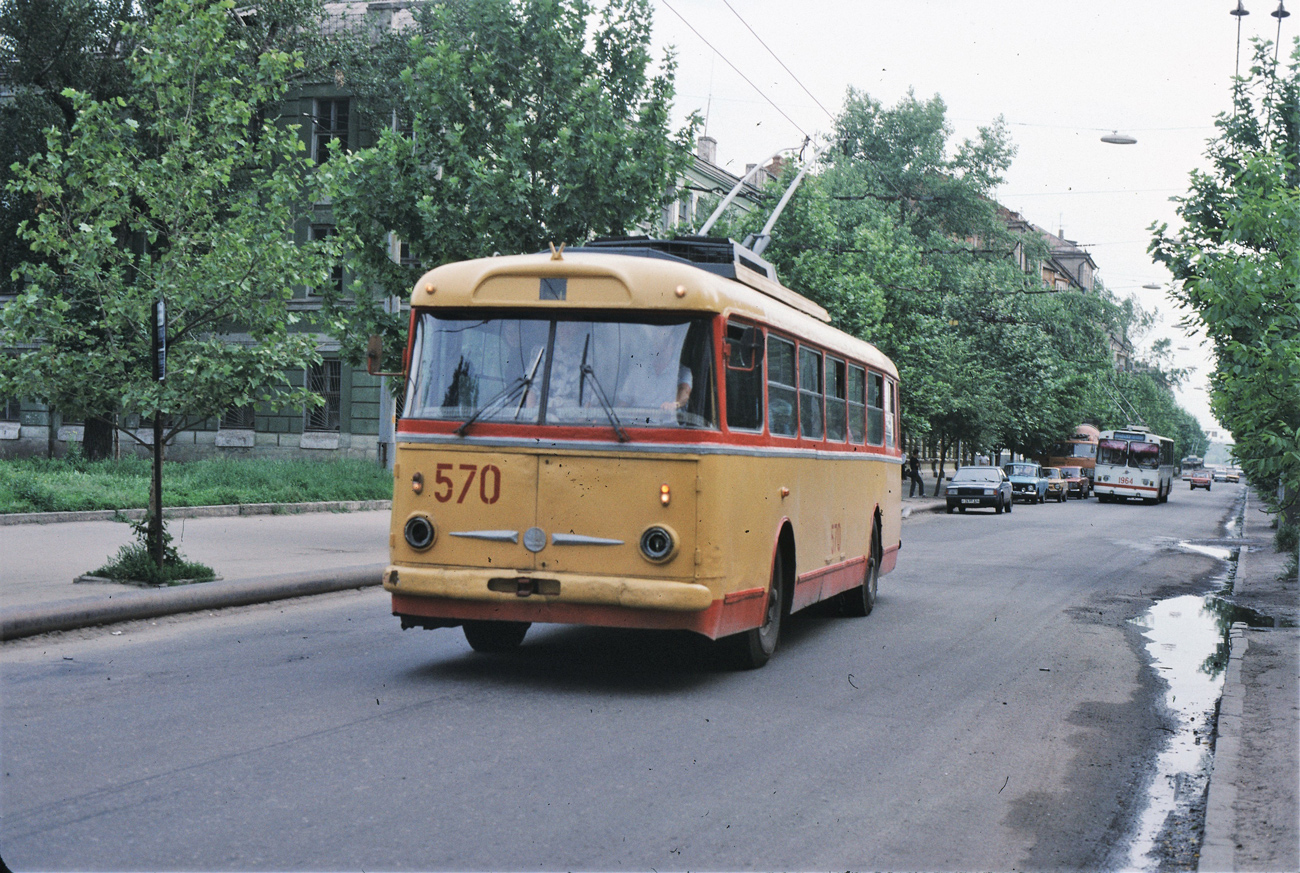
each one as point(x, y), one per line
point(1076, 483)
point(1201, 479)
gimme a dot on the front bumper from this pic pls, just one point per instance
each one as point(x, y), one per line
point(510, 586)
point(972, 501)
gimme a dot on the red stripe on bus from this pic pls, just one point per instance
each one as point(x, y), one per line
point(674, 436)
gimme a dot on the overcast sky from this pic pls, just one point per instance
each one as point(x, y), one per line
point(1060, 75)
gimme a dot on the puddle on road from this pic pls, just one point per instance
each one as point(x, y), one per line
point(1187, 639)
point(1187, 647)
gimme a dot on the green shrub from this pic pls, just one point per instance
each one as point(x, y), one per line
point(134, 563)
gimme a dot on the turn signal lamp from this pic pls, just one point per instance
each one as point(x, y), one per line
point(665, 494)
point(417, 483)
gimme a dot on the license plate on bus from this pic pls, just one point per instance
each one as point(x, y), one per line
point(970, 500)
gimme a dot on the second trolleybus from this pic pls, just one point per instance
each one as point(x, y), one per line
point(638, 434)
point(1134, 462)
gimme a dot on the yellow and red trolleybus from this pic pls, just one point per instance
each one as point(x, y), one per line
point(641, 434)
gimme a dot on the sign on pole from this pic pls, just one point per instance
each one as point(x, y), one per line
point(159, 340)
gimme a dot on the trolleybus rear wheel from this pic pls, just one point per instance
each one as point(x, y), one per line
point(495, 636)
point(751, 649)
point(861, 600)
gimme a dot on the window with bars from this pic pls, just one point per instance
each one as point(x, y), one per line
point(10, 409)
point(238, 418)
point(325, 379)
point(329, 123)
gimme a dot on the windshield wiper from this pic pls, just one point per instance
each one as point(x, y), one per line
point(521, 386)
point(586, 370)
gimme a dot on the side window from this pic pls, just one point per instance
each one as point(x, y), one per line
point(835, 406)
point(810, 393)
point(782, 395)
point(875, 409)
point(891, 409)
point(744, 351)
point(857, 404)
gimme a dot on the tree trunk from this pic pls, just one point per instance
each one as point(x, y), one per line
point(943, 458)
point(155, 531)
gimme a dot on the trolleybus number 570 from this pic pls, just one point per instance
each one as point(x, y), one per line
point(489, 483)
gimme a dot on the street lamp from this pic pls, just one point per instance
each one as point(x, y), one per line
point(1117, 138)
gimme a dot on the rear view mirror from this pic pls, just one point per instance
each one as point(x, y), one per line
point(744, 347)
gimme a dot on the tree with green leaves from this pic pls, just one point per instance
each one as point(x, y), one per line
point(501, 126)
point(897, 235)
point(187, 192)
point(1237, 265)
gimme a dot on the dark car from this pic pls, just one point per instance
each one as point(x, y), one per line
point(973, 487)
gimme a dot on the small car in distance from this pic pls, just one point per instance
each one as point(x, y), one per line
point(1231, 474)
point(1055, 484)
point(1203, 478)
point(1076, 483)
point(1027, 482)
point(976, 486)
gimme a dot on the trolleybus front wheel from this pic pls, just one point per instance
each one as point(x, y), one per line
point(495, 636)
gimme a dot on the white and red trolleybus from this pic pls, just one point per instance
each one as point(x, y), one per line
point(641, 434)
point(1134, 462)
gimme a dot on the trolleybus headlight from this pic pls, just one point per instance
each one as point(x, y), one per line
point(419, 532)
point(658, 544)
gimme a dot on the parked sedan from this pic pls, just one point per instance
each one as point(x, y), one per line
point(1055, 484)
point(1027, 482)
point(1076, 483)
point(973, 487)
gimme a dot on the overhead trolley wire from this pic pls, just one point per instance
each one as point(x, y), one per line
point(737, 69)
point(778, 60)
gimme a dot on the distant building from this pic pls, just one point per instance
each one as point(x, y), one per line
point(705, 184)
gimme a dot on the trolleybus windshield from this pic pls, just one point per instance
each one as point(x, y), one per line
point(532, 368)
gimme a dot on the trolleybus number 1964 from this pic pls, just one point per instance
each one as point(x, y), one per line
point(1126, 480)
point(489, 483)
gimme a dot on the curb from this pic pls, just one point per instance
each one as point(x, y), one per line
point(222, 511)
point(1219, 846)
point(133, 605)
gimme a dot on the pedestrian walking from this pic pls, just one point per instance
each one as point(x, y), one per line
point(914, 473)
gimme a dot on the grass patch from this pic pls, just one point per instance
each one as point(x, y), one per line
point(134, 563)
point(40, 485)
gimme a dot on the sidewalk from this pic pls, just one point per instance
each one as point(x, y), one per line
point(1252, 817)
point(925, 501)
point(258, 558)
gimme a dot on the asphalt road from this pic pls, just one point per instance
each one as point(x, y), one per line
point(994, 712)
